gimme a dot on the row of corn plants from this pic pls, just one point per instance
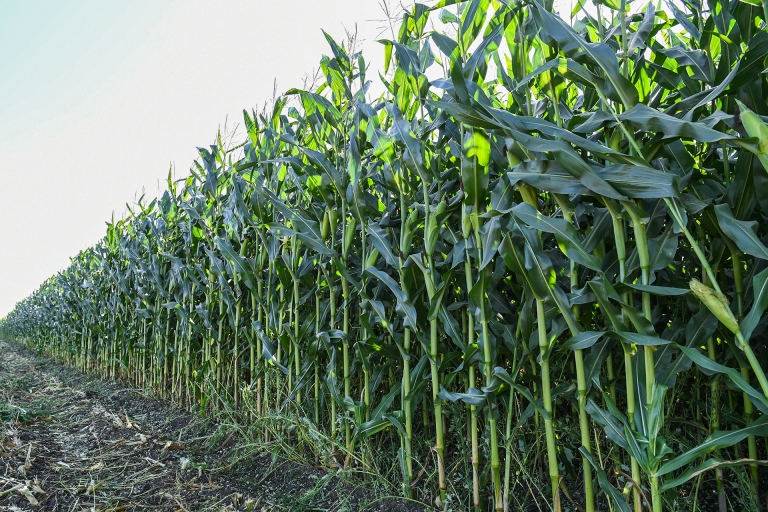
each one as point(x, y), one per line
point(542, 247)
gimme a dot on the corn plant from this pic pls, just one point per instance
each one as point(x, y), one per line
point(541, 223)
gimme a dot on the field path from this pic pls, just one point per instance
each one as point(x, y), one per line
point(68, 446)
point(73, 442)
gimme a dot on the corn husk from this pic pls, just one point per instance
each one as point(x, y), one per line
point(755, 127)
point(717, 303)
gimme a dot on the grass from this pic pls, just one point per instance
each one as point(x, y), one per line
point(18, 405)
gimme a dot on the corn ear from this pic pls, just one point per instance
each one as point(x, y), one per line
point(349, 235)
point(373, 257)
point(717, 304)
point(325, 226)
point(755, 127)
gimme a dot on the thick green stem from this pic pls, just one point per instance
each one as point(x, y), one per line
point(471, 383)
point(408, 409)
point(621, 251)
point(332, 323)
point(714, 421)
point(434, 356)
point(581, 386)
point(749, 412)
point(345, 352)
point(296, 325)
point(641, 242)
point(488, 367)
point(407, 399)
point(546, 394)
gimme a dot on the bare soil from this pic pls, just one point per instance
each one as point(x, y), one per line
point(73, 442)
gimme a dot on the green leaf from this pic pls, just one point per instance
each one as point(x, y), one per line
point(414, 152)
point(639, 39)
point(386, 401)
point(709, 367)
point(639, 339)
point(712, 94)
point(577, 48)
point(582, 340)
point(542, 126)
point(594, 361)
point(237, 261)
point(472, 21)
point(696, 60)
point(464, 114)
point(717, 441)
point(523, 255)
point(684, 20)
point(514, 257)
point(614, 427)
point(371, 427)
point(307, 239)
point(664, 291)
point(472, 396)
point(382, 243)
point(636, 441)
point(706, 466)
point(656, 416)
point(605, 484)
point(700, 327)
point(566, 234)
point(500, 376)
point(393, 419)
point(662, 249)
point(320, 161)
point(638, 320)
point(653, 121)
point(404, 307)
point(268, 351)
point(299, 222)
point(571, 161)
point(476, 150)
point(753, 61)
point(743, 233)
point(608, 309)
point(639, 182)
point(436, 301)
point(383, 146)
point(572, 70)
point(490, 233)
point(447, 16)
point(546, 175)
point(760, 291)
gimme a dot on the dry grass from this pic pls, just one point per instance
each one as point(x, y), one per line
point(68, 449)
point(72, 442)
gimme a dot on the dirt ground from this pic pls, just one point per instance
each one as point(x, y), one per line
point(73, 442)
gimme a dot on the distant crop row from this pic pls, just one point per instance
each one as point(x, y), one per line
point(560, 244)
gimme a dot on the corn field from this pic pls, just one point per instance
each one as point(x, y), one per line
point(542, 247)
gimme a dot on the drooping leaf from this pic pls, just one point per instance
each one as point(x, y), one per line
point(760, 291)
point(476, 150)
point(717, 441)
point(743, 233)
point(566, 234)
point(582, 340)
point(597, 54)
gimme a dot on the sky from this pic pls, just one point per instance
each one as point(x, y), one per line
point(99, 99)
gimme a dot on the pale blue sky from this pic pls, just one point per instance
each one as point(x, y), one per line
point(99, 98)
point(54, 52)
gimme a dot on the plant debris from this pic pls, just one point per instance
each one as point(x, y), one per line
point(66, 447)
